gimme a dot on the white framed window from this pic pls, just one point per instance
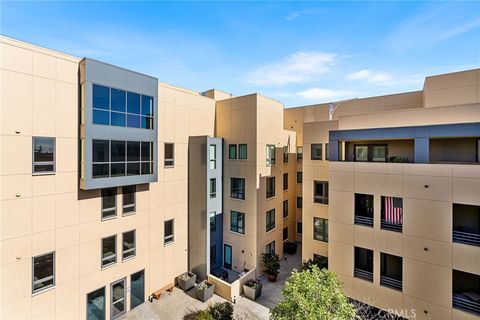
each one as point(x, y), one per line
point(109, 251)
point(213, 157)
point(109, 203)
point(43, 151)
point(128, 244)
point(169, 154)
point(242, 151)
point(43, 272)
point(128, 193)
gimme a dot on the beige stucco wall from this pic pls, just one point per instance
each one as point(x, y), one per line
point(45, 213)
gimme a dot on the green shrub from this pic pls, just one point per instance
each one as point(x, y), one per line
point(221, 311)
point(203, 315)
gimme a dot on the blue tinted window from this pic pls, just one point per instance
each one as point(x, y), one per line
point(147, 106)
point(100, 117)
point(101, 97)
point(133, 121)
point(147, 123)
point(118, 100)
point(133, 103)
point(118, 119)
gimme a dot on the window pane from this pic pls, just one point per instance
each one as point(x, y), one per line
point(100, 170)
point(101, 97)
point(147, 122)
point(133, 103)
point(96, 305)
point(43, 272)
point(117, 169)
point(118, 119)
point(147, 167)
point(242, 151)
point(327, 152)
point(38, 168)
point(361, 153)
point(128, 244)
point(213, 188)
point(118, 100)
point(128, 199)
point(285, 233)
point(133, 169)
point(169, 154)
point(101, 117)
point(43, 149)
point(146, 151)
point(100, 150)
point(213, 221)
point(117, 151)
point(316, 152)
point(168, 230)
point(109, 250)
point(133, 121)
point(232, 151)
point(379, 153)
point(109, 203)
point(147, 106)
point(133, 151)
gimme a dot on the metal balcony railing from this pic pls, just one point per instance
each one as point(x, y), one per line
point(362, 274)
point(390, 226)
point(466, 305)
point(466, 238)
point(364, 221)
point(391, 283)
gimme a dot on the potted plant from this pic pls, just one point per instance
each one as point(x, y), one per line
point(205, 290)
point(271, 262)
point(186, 280)
point(252, 289)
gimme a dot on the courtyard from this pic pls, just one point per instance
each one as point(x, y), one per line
point(178, 304)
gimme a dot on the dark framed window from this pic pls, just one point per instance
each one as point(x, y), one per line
point(213, 254)
point(363, 268)
point(327, 152)
point(213, 157)
point(285, 181)
point(465, 291)
point(270, 154)
point(43, 155)
point(270, 248)
point(213, 221)
point(285, 154)
point(169, 154)
point(285, 209)
point(109, 203)
point(237, 222)
point(213, 188)
point(43, 267)
point(270, 187)
point(168, 227)
point(242, 152)
point(109, 251)
point(128, 193)
point(320, 192)
point(299, 154)
point(118, 158)
point(232, 151)
point(270, 220)
point(299, 227)
point(371, 153)
point(317, 151)
point(128, 244)
point(285, 234)
point(391, 271)
point(320, 229)
point(364, 209)
point(237, 188)
point(299, 177)
point(360, 153)
point(96, 305)
point(466, 224)
point(392, 214)
point(299, 202)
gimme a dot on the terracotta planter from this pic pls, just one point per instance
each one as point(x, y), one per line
point(205, 294)
point(186, 284)
point(272, 278)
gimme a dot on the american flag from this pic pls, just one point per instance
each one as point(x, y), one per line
point(393, 210)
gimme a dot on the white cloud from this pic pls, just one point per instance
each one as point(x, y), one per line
point(319, 93)
point(299, 67)
point(297, 14)
point(369, 76)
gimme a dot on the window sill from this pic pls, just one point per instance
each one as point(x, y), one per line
point(321, 204)
point(285, 190)
point(43, 290)
point(270, 231)
point(271, 198)
point(129, 214)
point(109, 218)
point(237, 199)
point(242, 159)
point(284, 218)
point(43, 173)
point(168, 167)
point(320, 240)
point(234, 232)
point(108, 266)
point(128, 258)
point(168, 244)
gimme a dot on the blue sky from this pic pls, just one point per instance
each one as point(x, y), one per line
point(297, 52)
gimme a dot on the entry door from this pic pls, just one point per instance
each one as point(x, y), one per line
point(117, 298)
point(227, 254)
point(137, 289)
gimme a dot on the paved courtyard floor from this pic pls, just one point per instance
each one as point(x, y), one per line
point(175, 305)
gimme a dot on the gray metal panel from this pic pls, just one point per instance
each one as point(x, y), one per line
point(115, 77)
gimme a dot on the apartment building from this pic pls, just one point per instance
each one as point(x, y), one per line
point(113, 183)
point(391, 194)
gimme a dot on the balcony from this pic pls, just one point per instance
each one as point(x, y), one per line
point(363, 274)
point(466, 224)
point(459, 301)
point(391, 283)
point(466, 291)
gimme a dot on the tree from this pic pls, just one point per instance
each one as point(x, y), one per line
point(313, 294)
